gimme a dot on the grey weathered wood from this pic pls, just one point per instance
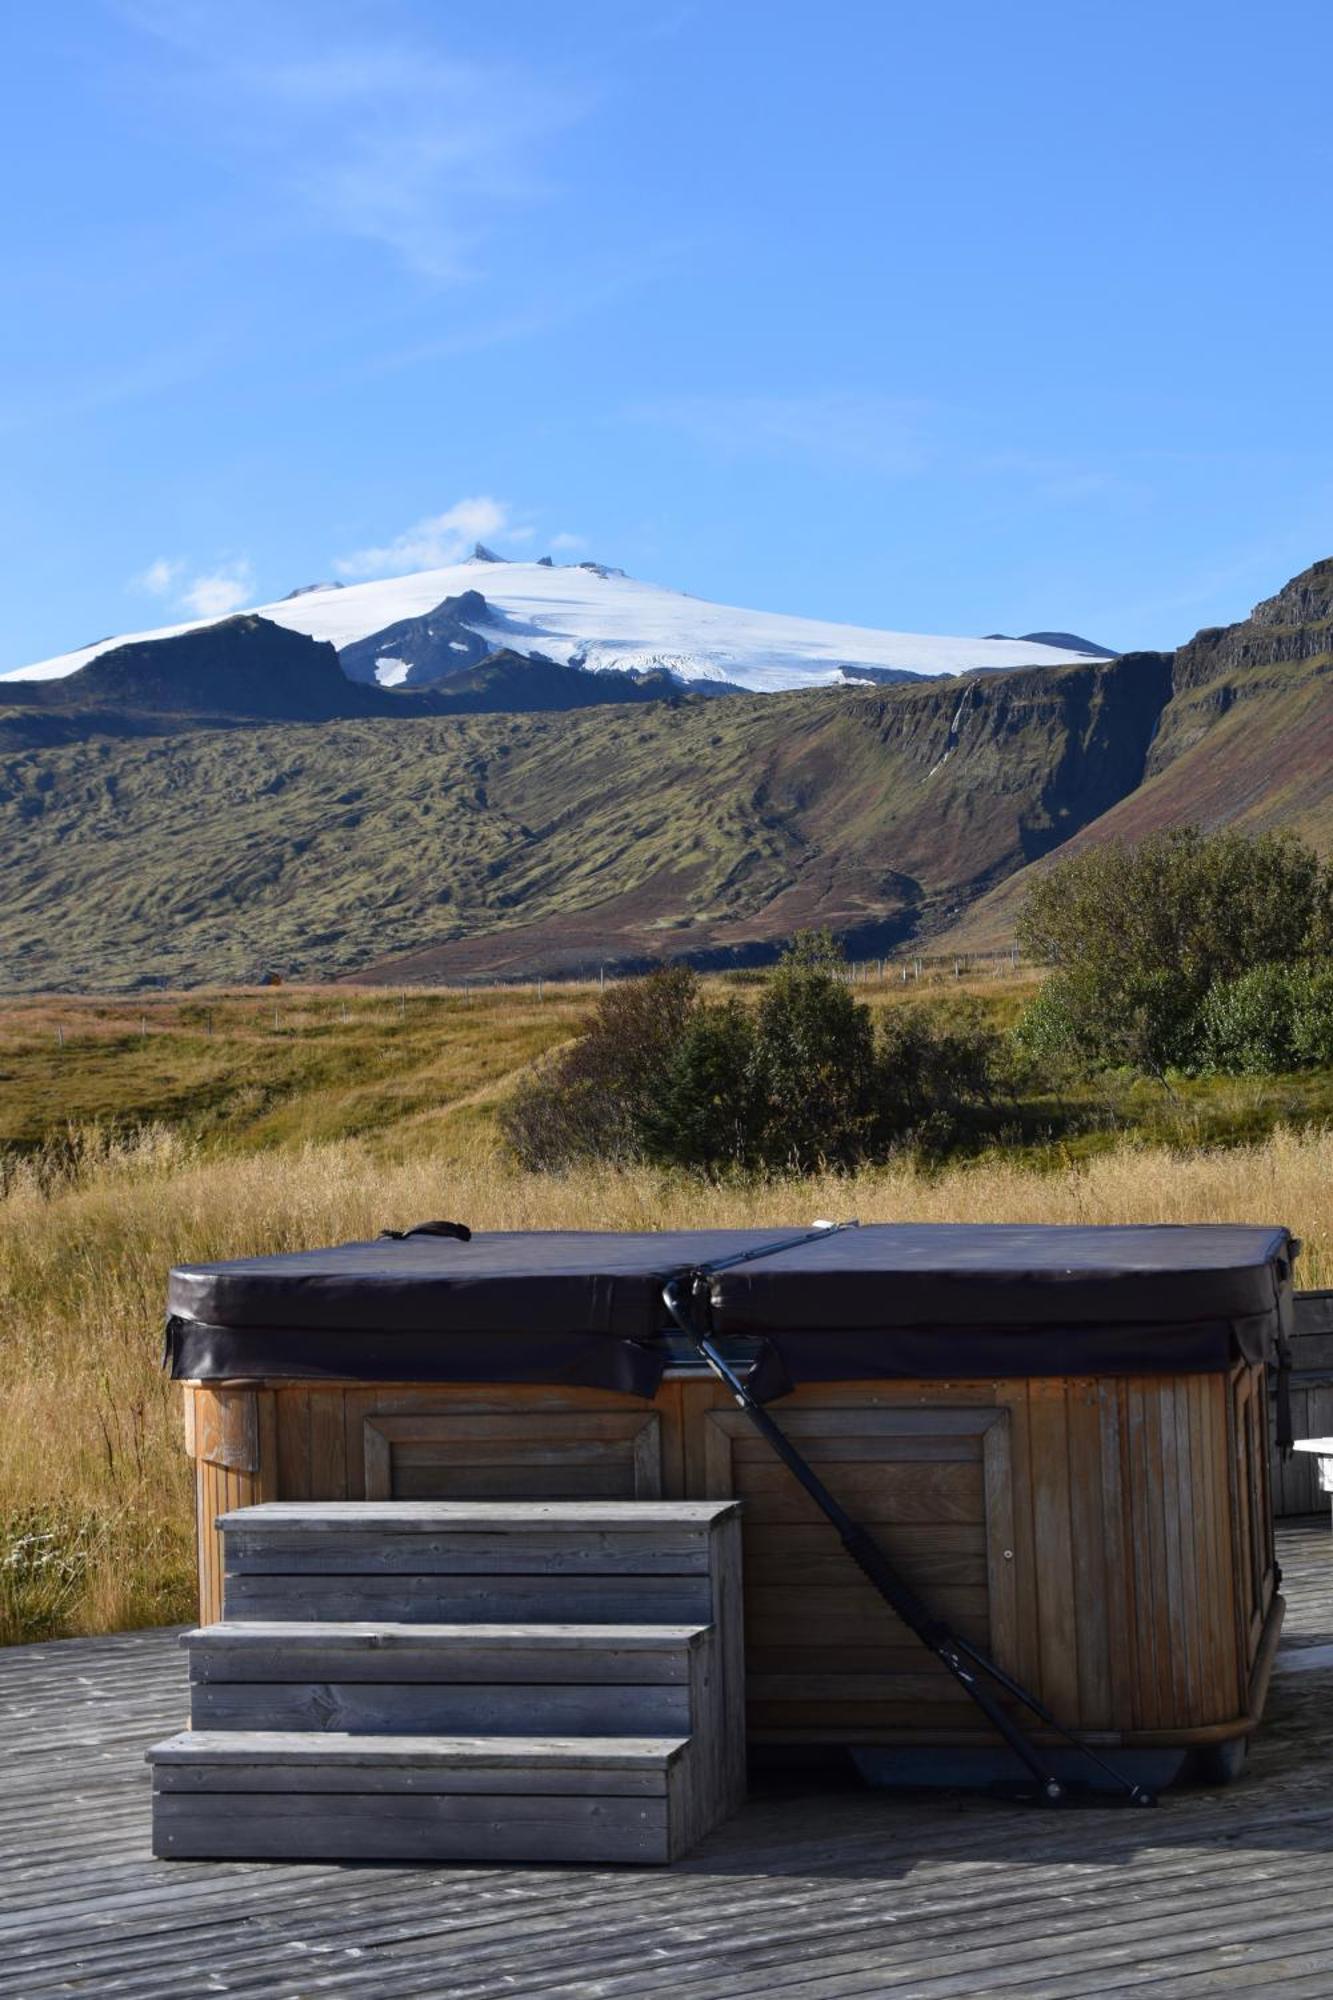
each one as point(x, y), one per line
point(1312, 1313)
point(304, 1761)
point(828, 1894)
point(445, 1600)
point(615, 1639)
point(440, 1827)
point(299, 1747)
point(491, 1517)
point(245, 1778)
point(549, 1551)
point(443, 1708)
point(1295, 1480)
point(281, 1650)
point(712, 1782)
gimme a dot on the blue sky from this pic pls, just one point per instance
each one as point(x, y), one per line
point(949, 317)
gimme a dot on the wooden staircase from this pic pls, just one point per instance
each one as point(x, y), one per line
point(463, 1681)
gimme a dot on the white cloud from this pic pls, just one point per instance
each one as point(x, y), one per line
point(159, 579)
point(438, 540)
point(203, 593)
point(563, 542)
point(216, 595)
point(363, 130)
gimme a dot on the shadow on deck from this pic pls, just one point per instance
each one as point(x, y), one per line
point(806, 1895)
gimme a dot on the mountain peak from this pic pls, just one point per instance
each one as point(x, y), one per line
point(480, 553)
point(1066, 642)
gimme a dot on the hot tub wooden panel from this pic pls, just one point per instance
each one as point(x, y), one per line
point(1110, 1539)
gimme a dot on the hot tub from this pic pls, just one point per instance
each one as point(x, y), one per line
point(1059, 1435)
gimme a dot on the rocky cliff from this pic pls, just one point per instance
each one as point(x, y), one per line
point(1246, 739)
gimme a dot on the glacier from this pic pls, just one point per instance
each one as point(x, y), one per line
point(585, 614)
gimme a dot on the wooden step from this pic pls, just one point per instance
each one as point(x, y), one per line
point(267, 1795)
point(474, 1537)
point(281, 1650)
point(444, 1562)
point(449, 1679)
point(472, 1681)
point(350, 1596)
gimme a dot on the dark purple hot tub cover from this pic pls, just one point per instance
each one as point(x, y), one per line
point(922, 1301)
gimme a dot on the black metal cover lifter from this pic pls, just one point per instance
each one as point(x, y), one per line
point(688, 1299)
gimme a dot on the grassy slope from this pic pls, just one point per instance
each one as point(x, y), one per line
point(496, 843)
point(240, 1070)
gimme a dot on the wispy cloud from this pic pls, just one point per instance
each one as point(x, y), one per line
point(203, 593)
point(147, 378)
point(1063, 481)
point(213, 596)
point(160, 577)
point(438, 540)
point(378, 134)
point(885, 434)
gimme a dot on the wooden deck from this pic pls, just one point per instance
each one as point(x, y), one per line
point(805, 1896)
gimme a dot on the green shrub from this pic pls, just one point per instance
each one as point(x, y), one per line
point(1274, 1017)
point(595, 1099)
point(1138, 937)
point(815, 1072)
point(798, 1084)
point(707, 1111)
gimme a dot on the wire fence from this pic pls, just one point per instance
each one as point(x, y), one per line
point(289, 1009)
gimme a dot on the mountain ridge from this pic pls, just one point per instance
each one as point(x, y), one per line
point(593, 615)
point(424, 841)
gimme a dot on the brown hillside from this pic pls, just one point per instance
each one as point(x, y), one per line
point(425, 848)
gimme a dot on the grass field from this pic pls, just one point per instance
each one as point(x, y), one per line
point(134, 1135)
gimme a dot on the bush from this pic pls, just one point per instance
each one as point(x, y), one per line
point(707, 1111)
point(815, 1072)
point(596, 1099)
point(1137, 937)
point(799, 1084)
point(940, 1073)
point(1274, 1017)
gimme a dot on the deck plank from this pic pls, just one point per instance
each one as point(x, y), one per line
point(806, 1895)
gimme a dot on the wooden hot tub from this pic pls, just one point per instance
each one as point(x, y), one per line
point(1059, 1435)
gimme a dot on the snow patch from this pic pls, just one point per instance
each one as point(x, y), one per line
point(391, 673)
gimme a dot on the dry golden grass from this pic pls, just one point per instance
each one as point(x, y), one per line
point(95, 1509)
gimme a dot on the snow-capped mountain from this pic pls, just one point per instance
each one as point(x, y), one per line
point(586, 614)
